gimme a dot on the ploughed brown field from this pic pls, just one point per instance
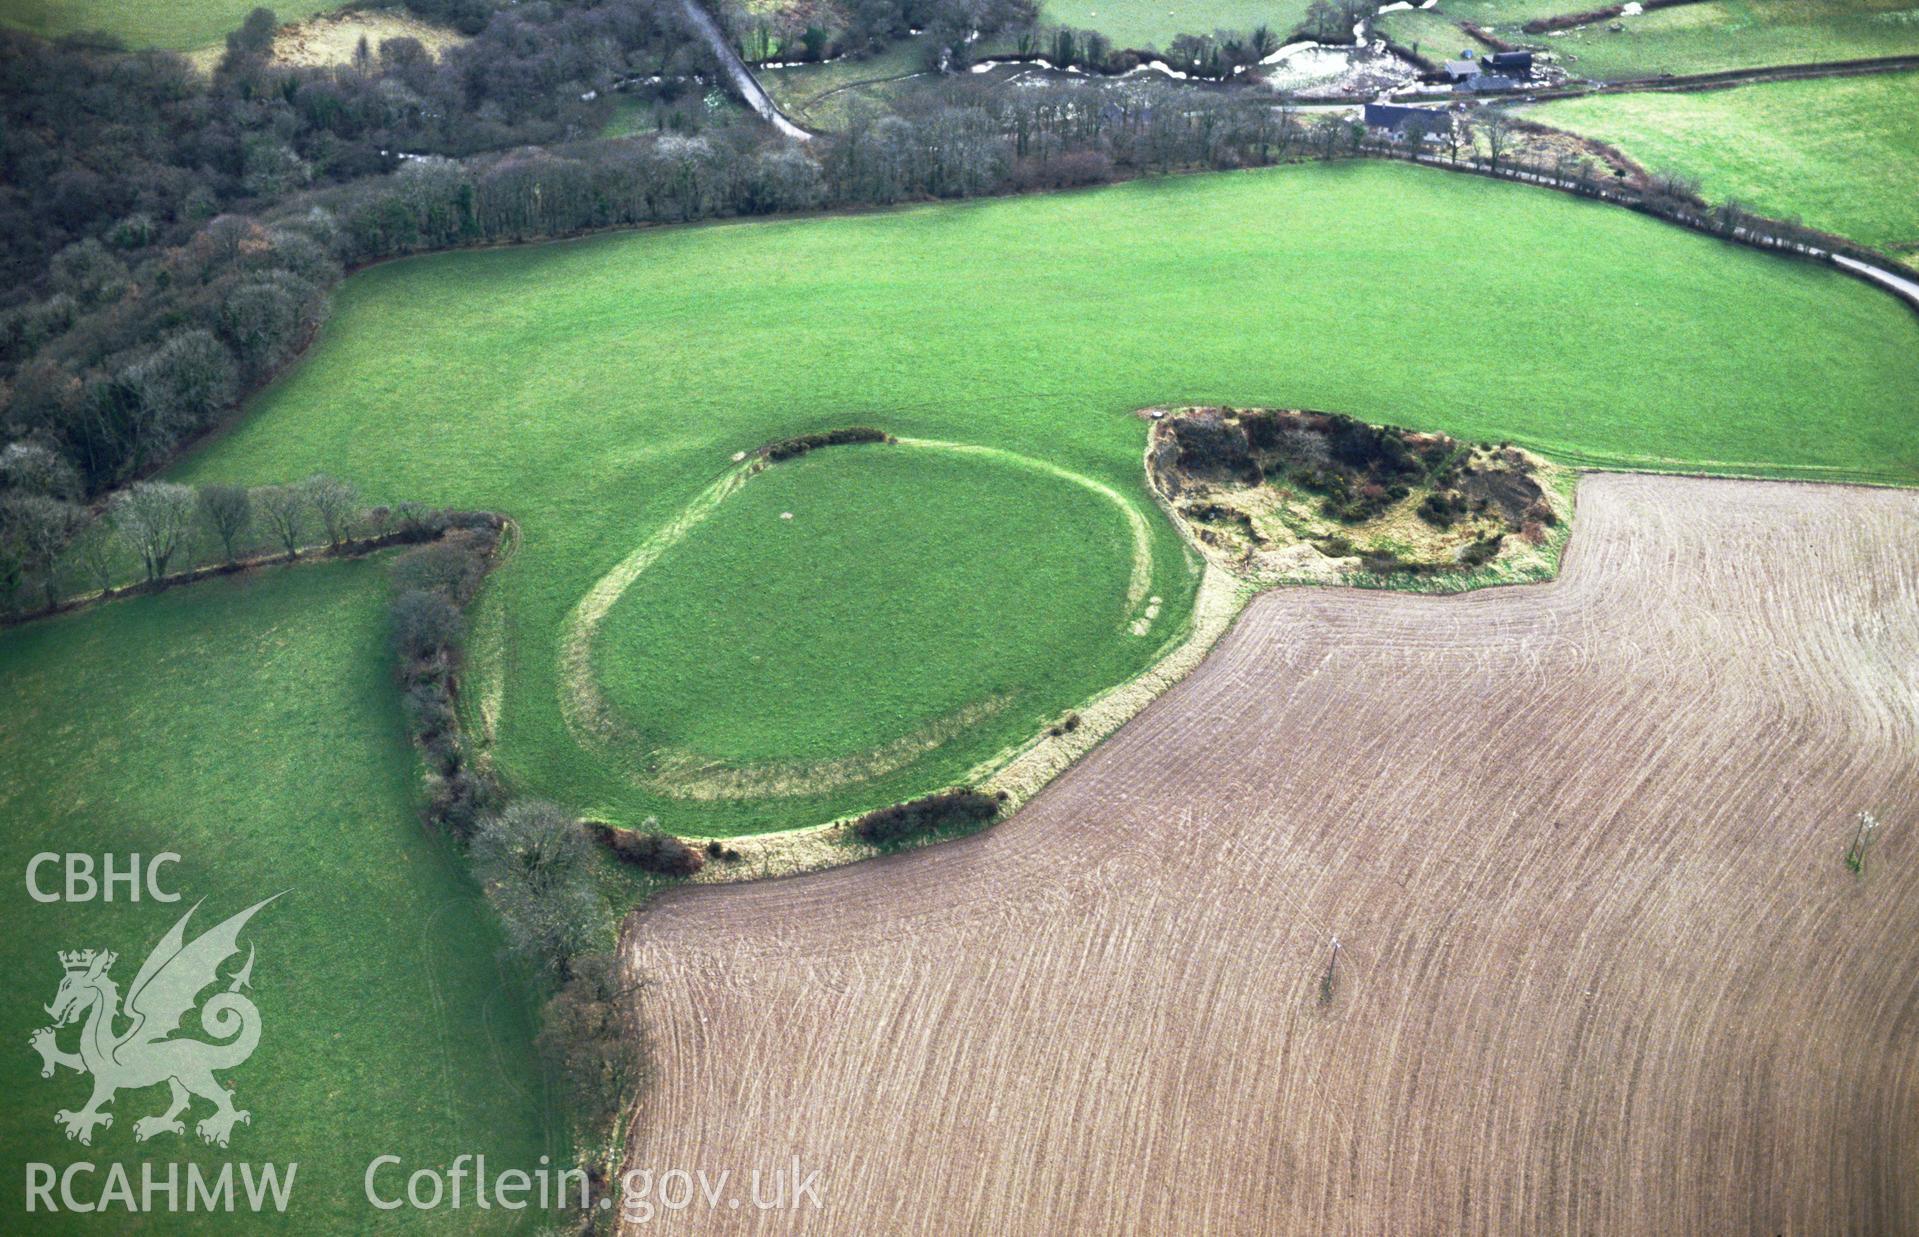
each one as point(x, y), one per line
point(1602, 966)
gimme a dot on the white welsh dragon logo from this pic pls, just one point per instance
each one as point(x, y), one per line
point(143, 1055)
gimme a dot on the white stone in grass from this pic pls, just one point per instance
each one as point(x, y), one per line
point(786, 515)
point(738, 456)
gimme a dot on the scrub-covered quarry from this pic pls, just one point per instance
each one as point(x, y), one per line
point(594, 390)
point(250, 725)
point(1294, 497)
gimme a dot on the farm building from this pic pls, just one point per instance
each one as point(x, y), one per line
point(1510, 64)
point(1495, 71)
point(1428, 122)
point(1486, 83)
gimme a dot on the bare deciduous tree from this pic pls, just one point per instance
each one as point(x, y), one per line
point(535, 862)
point(426, 626)
point(284, 508)
point(1322, 16)
point(38, 528)
point(1459, 137)
point(1730, 216)
point(31, 468)
point(228, 513)
point(1671, 187)
point(94, 553)
point(175, 386)
point(592, 1039)
point(1498, 128)
point(153, 518)
point(334, 501)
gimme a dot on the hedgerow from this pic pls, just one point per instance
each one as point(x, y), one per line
point(959, 806)
point(648, 849)
point(789, 448)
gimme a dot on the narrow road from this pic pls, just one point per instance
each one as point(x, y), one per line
point(1896, 284)
point(744, 83)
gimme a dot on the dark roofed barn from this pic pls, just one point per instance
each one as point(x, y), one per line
point(1509, 63)
point(1426, 121)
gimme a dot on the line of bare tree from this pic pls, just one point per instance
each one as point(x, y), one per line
point(55, 551)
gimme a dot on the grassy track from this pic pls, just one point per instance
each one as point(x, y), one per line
point(1703, 38)
point(591, 389)
point(148, 23)
point(250, 725)
point(1842, 153)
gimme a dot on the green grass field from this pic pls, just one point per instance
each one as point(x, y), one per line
point(593, 389)
point(146, 23)
point(630, 116)
point(633, 116)
point(1428, 32)
point(819, 94)
point(896, 595)
point(252, 726)
point(1154, 23)
point(1701, 38)
point(1842, 153)
point(1738, 34)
